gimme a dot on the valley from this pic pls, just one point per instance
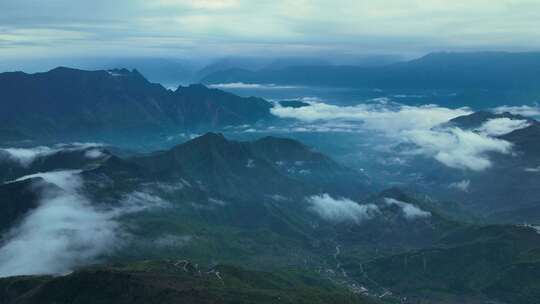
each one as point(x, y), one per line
point(230, 199)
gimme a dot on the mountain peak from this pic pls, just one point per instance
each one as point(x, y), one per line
point(282, 142)
point(211, 137)
point(207, 142)
point(476, 119)
point(121, 73)
point(66, 101)
point(64, 69)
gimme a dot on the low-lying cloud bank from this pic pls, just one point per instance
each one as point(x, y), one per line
point(25, 156)
point(344, 210)
point(457, 148)
point(241, 85)
point(341, 210)
point(66, 230)
point(527, 111)
point(421, 126)
point(383, 116)
point(501, 126)
point(410, 211)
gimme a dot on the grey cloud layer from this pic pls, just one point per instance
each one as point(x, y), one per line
point(181, 27)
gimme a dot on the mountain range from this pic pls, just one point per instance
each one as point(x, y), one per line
point(270, 209)
point(264, 220)
point(480, 80)
point(433, 71)
point(74, 103)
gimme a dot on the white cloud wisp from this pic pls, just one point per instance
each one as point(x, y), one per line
point(410, 211)
point(341, 210)
point(501, 126)
point(416, 125)
point(66, 230)
point(25, 156)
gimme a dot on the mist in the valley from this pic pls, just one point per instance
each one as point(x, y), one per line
point(397, 131)
point(67, 230)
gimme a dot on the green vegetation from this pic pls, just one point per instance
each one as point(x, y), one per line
point(493, 262)
point(175, 282)
point(240, 213)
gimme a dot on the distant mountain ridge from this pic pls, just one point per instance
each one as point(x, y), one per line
point(479, 79)
point(433, 71)
point(70, 101)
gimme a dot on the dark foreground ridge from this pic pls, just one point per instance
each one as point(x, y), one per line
point(174, 282)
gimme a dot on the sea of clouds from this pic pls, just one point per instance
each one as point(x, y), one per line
point(422, 127)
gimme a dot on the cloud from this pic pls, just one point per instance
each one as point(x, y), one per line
point(67, 180)
point(241, 85)
point(94, 153)
point(171, 240)
point(199, 4)
point(528, 111)
point(63, 232)
point(410, 211)
point(461, 185)
point(417, 125)
point(501, 126)
point(66, 230)
point(217, 202)
point(457, 148)
point(213, 27)
point(341, 210)
point(532, 170)
point(382, 116)
point(25, 156)
point(138, 201)
point(250, 164)
point(278, 198)
point(165, 187)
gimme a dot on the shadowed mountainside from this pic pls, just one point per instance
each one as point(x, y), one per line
point(66, 101)
point(174, 282)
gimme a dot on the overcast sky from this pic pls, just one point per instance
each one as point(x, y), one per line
point(187, 28)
